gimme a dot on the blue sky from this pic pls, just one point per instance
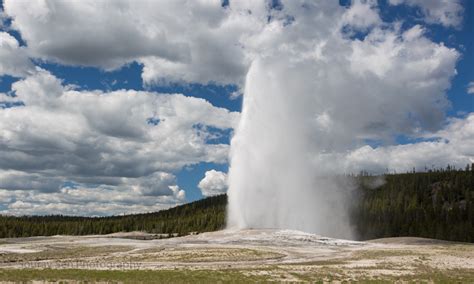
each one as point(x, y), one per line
point(216, 73)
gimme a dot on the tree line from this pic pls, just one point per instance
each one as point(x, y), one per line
point(199, 216)
point(433, 204)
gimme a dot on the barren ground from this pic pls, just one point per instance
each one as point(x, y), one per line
point(263, 255)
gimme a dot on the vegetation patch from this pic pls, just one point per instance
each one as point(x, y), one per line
point(191, 255)
point(133, 276)
point(381, 254)
point(56, 253)
point(326, 262)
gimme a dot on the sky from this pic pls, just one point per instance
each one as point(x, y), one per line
point(117, 107)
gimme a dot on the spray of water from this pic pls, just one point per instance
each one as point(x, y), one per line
point(274, 180)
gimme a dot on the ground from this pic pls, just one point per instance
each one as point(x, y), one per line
point(235, 256)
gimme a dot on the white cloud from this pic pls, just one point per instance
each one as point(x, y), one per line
point(454, 145)
point(3, 19)
point(362, 14)
point(218, 48)
point(213, 183)
point(470, 88)
point(64, 128)
point(235, 95)
point(103, 138)
point(86, 201)
point(191, 41)
point(156, 184)
point(13, 58)
point(445, 12)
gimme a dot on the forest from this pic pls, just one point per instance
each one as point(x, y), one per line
point(199, 216)
point(432, 204)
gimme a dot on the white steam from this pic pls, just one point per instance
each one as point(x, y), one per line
point(314, 93)
point(275, 182)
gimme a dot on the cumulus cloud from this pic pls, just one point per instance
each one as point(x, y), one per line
point(190, 41)
point(131, 141)
point(453, 145)
point(362, 14)
point(217, 48)
point(156, 184)
point(82, 200)
point(445, 12)
point(85, 132)
point(213, 183)
point(392, 60)
point(14, 59)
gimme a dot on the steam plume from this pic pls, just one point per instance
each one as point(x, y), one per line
point(274, 180)
point(313, 94)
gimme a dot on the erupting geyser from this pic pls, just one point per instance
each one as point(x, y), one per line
point(275, 181)
point(314, 93)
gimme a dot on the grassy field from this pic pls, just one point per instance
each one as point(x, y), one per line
point(199, 255)
point(274, 273)
point(132, 276)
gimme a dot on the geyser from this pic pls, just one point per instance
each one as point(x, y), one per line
point(313, 93)
point(275, 182)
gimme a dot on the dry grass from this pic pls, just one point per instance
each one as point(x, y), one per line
point(61, 252)
point(194, 255)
